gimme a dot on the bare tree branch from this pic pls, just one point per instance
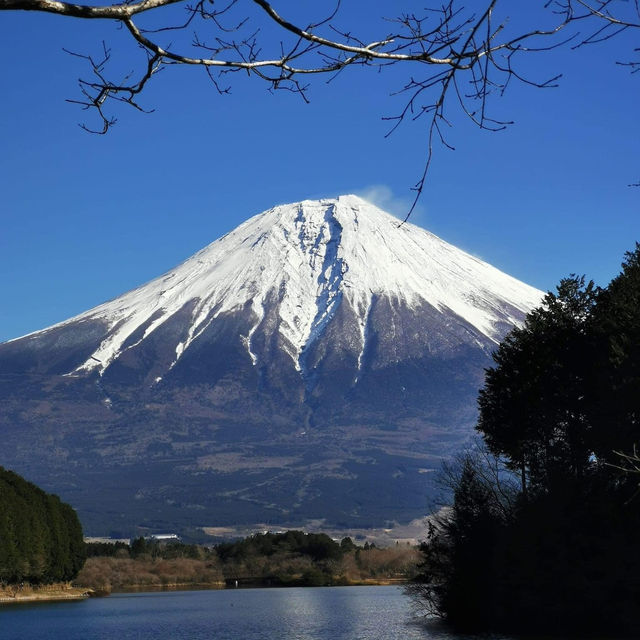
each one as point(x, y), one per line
point(448, 50)
point(629, 462)
point(108, 12)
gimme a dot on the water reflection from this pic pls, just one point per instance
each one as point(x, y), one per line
point(325, 613)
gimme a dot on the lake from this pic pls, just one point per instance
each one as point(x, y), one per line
point(324, 613)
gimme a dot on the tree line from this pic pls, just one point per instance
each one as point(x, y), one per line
point(542, 532)
point(269, 559)
point(40, 536)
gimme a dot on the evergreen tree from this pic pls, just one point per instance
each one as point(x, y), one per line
point(532, 407)
point(40, 536)
point(560, 404)
point(614, 389)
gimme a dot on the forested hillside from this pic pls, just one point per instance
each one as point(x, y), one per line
point(40, 536)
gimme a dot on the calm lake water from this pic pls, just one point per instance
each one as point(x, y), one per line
point(329, 613)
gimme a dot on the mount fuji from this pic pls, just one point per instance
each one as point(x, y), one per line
point(315, 363)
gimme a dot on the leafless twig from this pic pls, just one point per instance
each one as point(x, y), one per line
point(455, 57)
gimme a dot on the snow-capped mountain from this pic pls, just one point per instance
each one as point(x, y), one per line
point(300, 263)
point(314, 322)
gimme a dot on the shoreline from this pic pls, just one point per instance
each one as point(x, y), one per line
point(30, 594)
point(244, 584)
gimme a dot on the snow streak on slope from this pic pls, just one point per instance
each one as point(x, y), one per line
point(309, 257)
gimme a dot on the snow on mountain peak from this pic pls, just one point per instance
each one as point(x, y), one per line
point(311, 255)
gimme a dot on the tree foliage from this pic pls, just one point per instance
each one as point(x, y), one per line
point(40, 536)
point(560, 407)
point(532, 406)
point(319, 546)
point(615, 387)
point(270, 559)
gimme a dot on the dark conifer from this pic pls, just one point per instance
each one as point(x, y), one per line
point(40, 536)
point(560, 406)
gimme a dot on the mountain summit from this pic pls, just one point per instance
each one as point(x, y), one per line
point(277, 366)
point(296, 265)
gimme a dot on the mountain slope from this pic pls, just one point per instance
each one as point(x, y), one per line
point(313, 352)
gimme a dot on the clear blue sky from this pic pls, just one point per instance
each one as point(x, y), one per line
point(85, 218)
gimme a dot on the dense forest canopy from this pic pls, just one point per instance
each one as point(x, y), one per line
point(40, 536)
point(542, 534)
